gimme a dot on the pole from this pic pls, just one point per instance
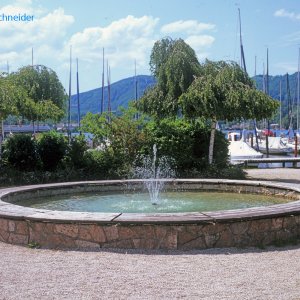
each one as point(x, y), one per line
point(267, 92)
point(255, 66)
point(78, 102)
point(296, 144)
point(70, 91)
point(102, 99)
point(243, 62)
point(298, 89)
point(280, 100)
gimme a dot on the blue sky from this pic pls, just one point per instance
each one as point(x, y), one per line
point(127, 29)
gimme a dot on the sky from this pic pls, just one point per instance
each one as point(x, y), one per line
point(128, 29)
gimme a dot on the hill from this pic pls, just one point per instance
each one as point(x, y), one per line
point(274, 85)
point(121, 91)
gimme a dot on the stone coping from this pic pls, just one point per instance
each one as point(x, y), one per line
point(9, 198)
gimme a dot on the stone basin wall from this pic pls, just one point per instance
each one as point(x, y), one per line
point(259, 226)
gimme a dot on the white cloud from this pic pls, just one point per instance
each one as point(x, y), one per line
point(286, 14)
point(47, 29)
point(124, 40)
point(187, 27)
point(200, 43)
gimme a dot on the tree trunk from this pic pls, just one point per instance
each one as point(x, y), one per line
point(212, 140)
point(1, 136)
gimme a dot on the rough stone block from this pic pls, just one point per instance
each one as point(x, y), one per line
point(70, 230)
point(87, 245)
point(97, 233)
point(4, 236)
point(11, 226)
point(197, 243)
point(239, 228)
point(4, 224)
point(21, 227)
point(289, 222)
point(187, 235)
point(260, 226)
point(170, 241)
point(18, 239)
point(277, 223)
point(111, 233)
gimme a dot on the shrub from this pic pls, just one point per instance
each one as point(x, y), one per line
point(52, 148)
point(105, 164)
point(20, 152)
point(187, 143)
point(76, 151)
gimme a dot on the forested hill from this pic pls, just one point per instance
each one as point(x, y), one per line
point(123, 91)
point(274, 85)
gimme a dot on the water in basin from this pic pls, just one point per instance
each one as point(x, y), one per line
point(173, 201)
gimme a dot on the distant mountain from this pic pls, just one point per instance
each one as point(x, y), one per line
point(121, 92)
point(274, 85)
point(274, 92)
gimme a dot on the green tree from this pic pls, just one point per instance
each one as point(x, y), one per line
point(10, 95)
point(45, 93)
point(174, 64)
point(225, 92)
point(121, 133)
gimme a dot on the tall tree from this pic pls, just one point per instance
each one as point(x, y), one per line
point(174, 64)
point(10, 95)
point(225, 92)
point(45, 93)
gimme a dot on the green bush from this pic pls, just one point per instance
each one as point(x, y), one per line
point(52, 148)
point(20, 152)
point(187, 144)
point(76, 151)
point(105, 164)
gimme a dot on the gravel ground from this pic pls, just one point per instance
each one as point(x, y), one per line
point(251, 273)
point(273, 273)
point(275, 174)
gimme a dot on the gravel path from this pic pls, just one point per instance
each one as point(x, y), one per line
point(215, 274)
point(275, 174)
point(210, 274)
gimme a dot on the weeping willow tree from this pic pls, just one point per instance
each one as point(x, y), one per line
point(225, 92)
point(174, 64)
point(213, 90)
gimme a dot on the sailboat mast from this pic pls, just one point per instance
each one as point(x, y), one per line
point(243, 62)
point(108, 88)
point(135, 82)
point(298, 89)
point(70, 92)
point(280, 100)
point(289, 101)
point(267, 78)
point(102, 98)
point(78, 102)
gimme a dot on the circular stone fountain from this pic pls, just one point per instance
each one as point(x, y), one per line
point(256, 226)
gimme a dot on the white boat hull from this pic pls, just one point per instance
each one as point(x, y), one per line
point(240, 150)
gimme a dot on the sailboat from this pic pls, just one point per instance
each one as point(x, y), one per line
point(239, 150)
